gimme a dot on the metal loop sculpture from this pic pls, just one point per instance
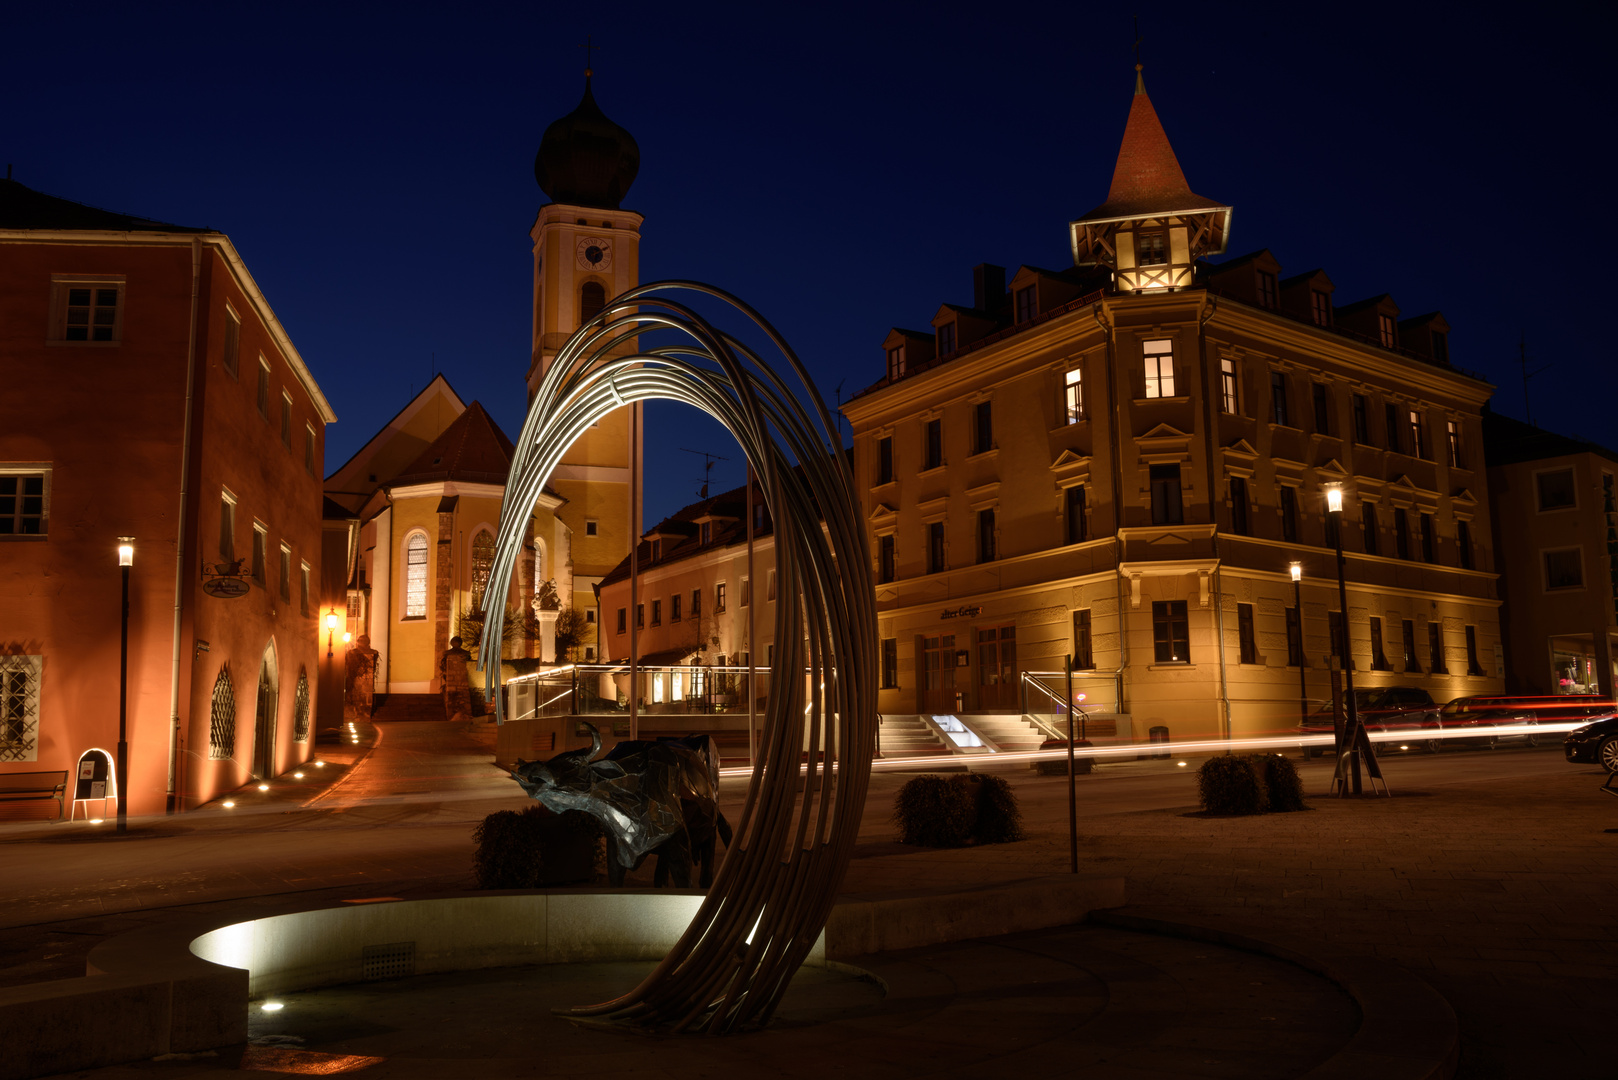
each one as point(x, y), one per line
point(774, 890)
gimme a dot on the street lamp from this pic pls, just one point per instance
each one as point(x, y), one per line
point(331, 629)
point(1297, 605)
point(1350, 738)
point(126, 559)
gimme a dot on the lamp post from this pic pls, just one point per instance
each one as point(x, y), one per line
point(1303, 678)
point(331, 629)
point(126, 559)
point(1350, 737)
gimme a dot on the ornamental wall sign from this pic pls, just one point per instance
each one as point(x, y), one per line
point(224, 580)
point(966, 612)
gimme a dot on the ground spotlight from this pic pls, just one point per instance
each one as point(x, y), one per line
point(297, 776)
point(272, 1006)
point(229, 804)
point(264, 787)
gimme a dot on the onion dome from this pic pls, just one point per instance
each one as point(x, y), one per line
point(586, 159)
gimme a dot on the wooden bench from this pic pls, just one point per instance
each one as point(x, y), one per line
point(24, 786)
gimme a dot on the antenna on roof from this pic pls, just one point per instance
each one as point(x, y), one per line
point(707, 467)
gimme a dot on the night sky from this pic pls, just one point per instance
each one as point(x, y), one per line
point(841, 168)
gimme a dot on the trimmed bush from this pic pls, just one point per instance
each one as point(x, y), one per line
point(1230, 785)
point(1058, 766)
point(532, 848)
point(1283, 783)
point(934, 811)
point(999, 820)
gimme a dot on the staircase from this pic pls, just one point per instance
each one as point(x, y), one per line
point(1008, 733)
point(393, 708)
point(910, 736)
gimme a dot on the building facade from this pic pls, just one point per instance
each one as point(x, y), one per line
point(1556, 526)
point(1118, 461)
point(152, 393)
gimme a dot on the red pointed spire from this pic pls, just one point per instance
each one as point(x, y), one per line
point(1147, 179)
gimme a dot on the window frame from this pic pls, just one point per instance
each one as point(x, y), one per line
point(286, 419)
point(1320, 306)
point(983, 426)
point(1370, 527)
point(1437, 662)
point(1379, 655)
point(1320, 400)
point(887, 563)
point(1073, 394)
point(22, 472)
point(1229, 387)
point(1401, 533)
point(62, 286)
point(1407, 634)
point(303, 593)
point(884, 460)
point(1286, 497)
point(946, 338)
point(896, 363)
point(674, 607)
point(932, 444)
point(1269, 291)
point(262, 394)
point(1539, 489)
point(1246, 640)
point(1362, 420)
point(719, 599)
point(284, 579)
point(20, 697)
point(1168, 617)
point(1170, 510)
point(1463, 542)
point(1294, 625)
point(310, 441)
point(1241, 521)
point(987, 535)
point(937, 553)
point(261, 555)
point(230, 357)
point(1026, 302)
point(1157, 368)
point(1546, 580)
point(227, 525)
point(890, 664)
point(1280, 406)
point(1075, 513)
point(1084, 657)
point(414, 583)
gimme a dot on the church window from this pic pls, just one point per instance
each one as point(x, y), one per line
point(482, 564)
point(1159, 369)
point(260, 542)
point(1152, 248)
point(1228, 398)
point(1073, 383)
point(416, 576)
point(1267, 292)
point(592, 298)
point(1279, 413)
point(1027, 306)
point(896, 362)
point(233, 342)
point(1389, 331)
point(222, 718)
point(19, 706)
point(89, 312)
point(1321, 307)
point(264, 388)
point(946, 339)
point(24, 502)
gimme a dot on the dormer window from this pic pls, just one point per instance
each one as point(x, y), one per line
point(1027, 306)
point(1268, 293)
point(946, 339)
point(1390, 331)
point(1151, 248)
point(1321, 307)
point(657, 549)
point(1441, 346)
point(896, 363)
point(707, 532)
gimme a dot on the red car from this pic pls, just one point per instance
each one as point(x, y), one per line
point(1388, 712)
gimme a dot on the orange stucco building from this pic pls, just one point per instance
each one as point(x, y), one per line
point(152, 393)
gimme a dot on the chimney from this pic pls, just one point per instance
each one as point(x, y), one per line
point(988, 287)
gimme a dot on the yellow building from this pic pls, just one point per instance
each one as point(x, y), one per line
point(1120, 460)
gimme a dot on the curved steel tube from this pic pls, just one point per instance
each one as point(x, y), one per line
point(774, 890)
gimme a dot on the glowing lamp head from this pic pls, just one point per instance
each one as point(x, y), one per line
point(1334, 497)
point(331, 619)
point(1297, 571)
point(347, 637)
point(126, 551)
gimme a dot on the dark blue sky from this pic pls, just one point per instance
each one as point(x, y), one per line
point(840, 167)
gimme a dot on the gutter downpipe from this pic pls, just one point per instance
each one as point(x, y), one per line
point(179, 545)
point(1212, 444)
point(1114, 445)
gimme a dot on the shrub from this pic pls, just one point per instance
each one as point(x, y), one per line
point(1230, 785)
point(935, 812)
point(534, 847)
point(1058, 766)
point(999, 821)
point(1283, 783)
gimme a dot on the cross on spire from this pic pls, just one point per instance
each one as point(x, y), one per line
point(588, 48)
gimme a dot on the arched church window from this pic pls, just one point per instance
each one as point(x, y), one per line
point(592, 298)
point(416, 576)
point(222, 718)
point(300, 708)
point(482, 563)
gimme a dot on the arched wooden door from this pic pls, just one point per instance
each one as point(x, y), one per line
point(265, 716)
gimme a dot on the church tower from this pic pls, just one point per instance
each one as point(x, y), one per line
point(1152, 229)
point(586, 251)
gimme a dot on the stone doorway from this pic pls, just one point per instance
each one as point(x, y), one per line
point(265, 712)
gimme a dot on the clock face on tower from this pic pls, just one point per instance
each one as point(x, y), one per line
point(594, 253)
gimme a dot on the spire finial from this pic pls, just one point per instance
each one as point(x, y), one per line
point(588, 49)
point(1140, 80)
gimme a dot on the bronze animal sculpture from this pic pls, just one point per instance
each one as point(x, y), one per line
point(652, 798)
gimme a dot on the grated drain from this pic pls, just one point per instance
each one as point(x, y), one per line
point(389, 961)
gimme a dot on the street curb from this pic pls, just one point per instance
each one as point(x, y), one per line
point(1408, 1031)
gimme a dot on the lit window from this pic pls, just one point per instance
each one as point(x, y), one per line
point(1074, 389)
point(1418, 434)
point(1453, 431)
point(89, 311)
point(24, 502)
point(416, 576)
point(233, 342)
point(1159, 369)
point(719, 597)
point(482, 565)
point(19, 706)
point(1321, 307)
point(1227, 385)
point(222, 718)
point(1027, 308)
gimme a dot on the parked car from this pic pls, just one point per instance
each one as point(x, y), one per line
point(1386, 711)
point(1484, 712)
point(1594, 744)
